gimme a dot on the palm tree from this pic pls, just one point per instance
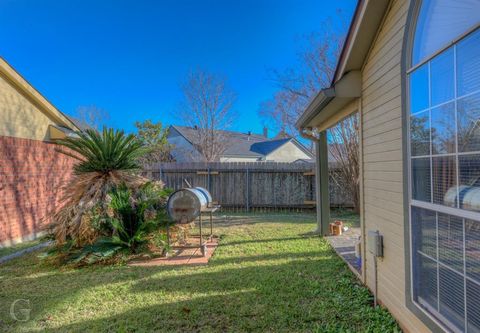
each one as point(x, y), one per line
point(105, 159)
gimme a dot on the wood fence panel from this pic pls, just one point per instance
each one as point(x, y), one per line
point(242, 185)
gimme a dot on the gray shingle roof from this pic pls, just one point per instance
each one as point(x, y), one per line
point(240, 144)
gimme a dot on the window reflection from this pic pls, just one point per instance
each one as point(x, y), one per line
point(420, 134)
point(469, 123)
point(472, 249)
point(468, 64)
point(469, 177)
point(442, 78)
point(444, 177)
point(419, 89)
point(450, 241)
point(440, 22)
point(443, 129)
point(421, 185)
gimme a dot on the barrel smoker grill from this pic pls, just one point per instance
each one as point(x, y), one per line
point(185, 206)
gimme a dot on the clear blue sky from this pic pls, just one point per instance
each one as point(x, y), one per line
point(129, 57)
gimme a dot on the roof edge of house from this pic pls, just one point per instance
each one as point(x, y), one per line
point(31, 93)
point(367, 18)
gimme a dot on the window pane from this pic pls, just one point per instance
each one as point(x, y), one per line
point(420, 134)
point(441, 21)
point(419, 89)
point(443, 129)
point(468, 64)
point(469, 177)
point(450, 241)
point(472, 249)
point(421, 185)
point(424, 229)
point(441, 77)
point(424, 239)
point(426, 281)
point(469, 123)
point(473, 307)
point(452, 297)
point(444, 181)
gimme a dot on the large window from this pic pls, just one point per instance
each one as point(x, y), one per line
point(444, 159)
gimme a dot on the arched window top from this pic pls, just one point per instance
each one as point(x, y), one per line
point(440, 22)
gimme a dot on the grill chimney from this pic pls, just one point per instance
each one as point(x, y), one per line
point(265, 132)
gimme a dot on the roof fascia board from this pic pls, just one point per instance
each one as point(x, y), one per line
point(368, 17)
point(302, 147)
point(345, 90)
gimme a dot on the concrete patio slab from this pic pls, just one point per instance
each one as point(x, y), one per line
point(344, 245)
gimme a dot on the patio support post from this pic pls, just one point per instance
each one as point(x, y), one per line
point(321, 184)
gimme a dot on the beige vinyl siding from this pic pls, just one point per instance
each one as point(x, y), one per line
point(382, 163)
point(289, 152)
point(19, 117)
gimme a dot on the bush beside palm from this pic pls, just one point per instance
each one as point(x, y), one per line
point(105, 160)
point(107, 206)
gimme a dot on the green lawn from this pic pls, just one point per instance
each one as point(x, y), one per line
point(4, 251)
point(267, 276)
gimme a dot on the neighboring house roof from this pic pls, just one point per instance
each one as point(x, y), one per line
point(243, 144)
point(27, 90)
point(346, 83)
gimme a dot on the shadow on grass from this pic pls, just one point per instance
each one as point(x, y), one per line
point(301, 295)
point(306, 291)
point(267, 240)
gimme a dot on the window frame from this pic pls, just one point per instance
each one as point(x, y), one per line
point(428, 318)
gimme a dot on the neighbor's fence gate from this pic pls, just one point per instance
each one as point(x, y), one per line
point(251, 186)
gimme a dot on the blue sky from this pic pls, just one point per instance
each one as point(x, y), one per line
point(129, 57)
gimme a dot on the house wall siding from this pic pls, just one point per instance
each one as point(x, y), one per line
point(19, 117)
point(382, 163)
point(32, 170)
point(32, 173)
point(289, 152)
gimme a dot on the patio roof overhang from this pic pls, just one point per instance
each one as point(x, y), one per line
point(324, 110)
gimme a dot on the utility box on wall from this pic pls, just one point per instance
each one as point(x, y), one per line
point(375, 243)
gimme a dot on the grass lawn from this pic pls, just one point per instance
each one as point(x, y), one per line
point(4, 251)
point(266, 276)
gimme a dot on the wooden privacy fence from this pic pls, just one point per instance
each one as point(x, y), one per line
point(251, 185)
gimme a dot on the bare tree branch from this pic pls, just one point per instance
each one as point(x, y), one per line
point(207, 106)
point(91, 117)
point(344, 147)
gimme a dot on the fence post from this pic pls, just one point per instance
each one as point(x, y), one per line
point(247, 203)
point(208, 179)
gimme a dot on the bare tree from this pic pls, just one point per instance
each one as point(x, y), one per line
point(91, 117)
point(296, 87)
point(344, 147)
point(207, 107)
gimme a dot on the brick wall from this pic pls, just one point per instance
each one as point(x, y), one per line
point(31, 176)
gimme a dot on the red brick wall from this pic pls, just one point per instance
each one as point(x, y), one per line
point(31, 176)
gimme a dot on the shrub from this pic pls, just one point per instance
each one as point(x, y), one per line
point(107, 159)
point(131, 216)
